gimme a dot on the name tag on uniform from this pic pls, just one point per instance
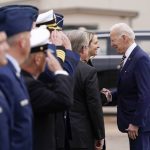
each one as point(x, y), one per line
point(1, 110)
point(24, 102)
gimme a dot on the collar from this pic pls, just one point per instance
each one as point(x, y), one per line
point(130, 49)
point(14, 63)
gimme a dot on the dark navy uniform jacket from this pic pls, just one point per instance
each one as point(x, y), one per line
point(5, 123)
point(17, 96)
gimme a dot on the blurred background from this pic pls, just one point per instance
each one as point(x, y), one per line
point(95, 14)
point(100, 15)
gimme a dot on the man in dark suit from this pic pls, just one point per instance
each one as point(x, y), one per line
point(86, 114)
point(17, 22)
point(46, 100)
point(5, 114)
point(133, 91)
point(60, 46)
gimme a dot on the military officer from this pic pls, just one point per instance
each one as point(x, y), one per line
point(5, 115)
point(17, 21)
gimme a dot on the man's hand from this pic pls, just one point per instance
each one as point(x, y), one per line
point(53, 63)
point(132, 131)
point(99, 144)
point(65, 41)
point(56, 38)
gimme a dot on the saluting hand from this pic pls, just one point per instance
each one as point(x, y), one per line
point(56, 38)
point(65, 41)
point(53, 64)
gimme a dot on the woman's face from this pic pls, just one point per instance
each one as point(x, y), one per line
point(93, 46)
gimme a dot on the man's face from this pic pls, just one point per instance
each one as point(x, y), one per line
point(117, 42)
point(3, 48)
point(43, 62)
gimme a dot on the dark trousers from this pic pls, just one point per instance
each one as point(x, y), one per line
point(142, 142)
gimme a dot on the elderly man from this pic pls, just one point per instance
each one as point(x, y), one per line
point(45, 100)
point(5, 114)
point(61, 47)
point(17, 22)
point(132, 96)
point(86, 114)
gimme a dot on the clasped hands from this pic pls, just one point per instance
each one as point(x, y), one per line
point(107, 93)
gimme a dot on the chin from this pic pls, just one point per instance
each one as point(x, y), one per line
point(3, 62)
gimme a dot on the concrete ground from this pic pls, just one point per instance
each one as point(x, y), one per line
point(115, 140)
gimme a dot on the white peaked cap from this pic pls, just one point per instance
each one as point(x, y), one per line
point(39, 36)
point(45, 17)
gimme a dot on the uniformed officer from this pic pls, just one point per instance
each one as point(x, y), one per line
point(69, 60)
point(17, 22)
point(5, 115)
point(45, 100)
point(59, 43)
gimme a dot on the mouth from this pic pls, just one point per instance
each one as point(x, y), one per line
point(115, 46)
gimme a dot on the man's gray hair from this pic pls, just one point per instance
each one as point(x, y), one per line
point(123, 29)
point(78, 39)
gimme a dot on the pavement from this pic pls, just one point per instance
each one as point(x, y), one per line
point(115, 140)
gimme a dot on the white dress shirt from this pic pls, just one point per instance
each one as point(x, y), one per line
point(15, 64)
point(129, 51)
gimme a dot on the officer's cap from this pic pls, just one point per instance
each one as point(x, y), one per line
point(59, 20)
point(39, 39)
point(17, 18)
point(49, 19)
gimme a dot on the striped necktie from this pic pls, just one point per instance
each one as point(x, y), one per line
point(122, 61)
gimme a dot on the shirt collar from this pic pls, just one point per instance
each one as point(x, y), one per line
point(130, 49)
point(15, 63)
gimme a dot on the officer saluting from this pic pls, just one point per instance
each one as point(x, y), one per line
point(17, 22)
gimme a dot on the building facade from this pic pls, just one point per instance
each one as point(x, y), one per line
point(95, 14)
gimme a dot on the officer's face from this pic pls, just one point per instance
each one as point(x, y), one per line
point(40, 62)
point(3, 48)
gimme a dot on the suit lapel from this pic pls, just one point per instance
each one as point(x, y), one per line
point(129, 60)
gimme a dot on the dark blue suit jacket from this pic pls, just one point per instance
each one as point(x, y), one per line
point(17, 98)
point(5, 123)
point(133, 95)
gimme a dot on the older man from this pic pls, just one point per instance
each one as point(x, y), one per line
point(17, 22)
point(132, 95)
point(45, 100)
point(86, 114)
point(5, 114)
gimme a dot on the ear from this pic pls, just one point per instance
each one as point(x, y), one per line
point(124, 37)
point(82, 51)
point(21, 42)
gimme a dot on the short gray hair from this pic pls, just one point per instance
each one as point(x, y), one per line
point(123, 29)
point(78, 39)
